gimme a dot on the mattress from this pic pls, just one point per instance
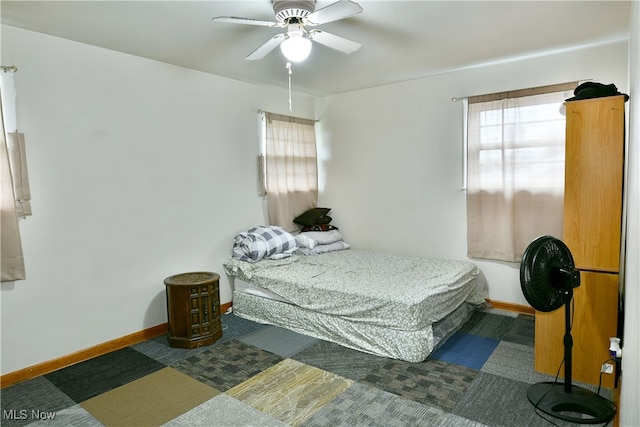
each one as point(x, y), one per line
point(411, 346)
point(378, 289)
point(252, 289)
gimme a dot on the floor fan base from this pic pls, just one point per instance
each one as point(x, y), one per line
point(580, 406)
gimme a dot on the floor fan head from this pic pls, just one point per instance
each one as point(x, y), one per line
point(547, 278)
point(548, 274)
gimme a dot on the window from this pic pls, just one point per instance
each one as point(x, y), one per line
point(515, 170)
point(288, 167)
point(15, 195)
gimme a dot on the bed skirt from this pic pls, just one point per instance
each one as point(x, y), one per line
point(411, 346)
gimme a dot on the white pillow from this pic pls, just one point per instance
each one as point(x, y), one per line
point(320, 249)
point(306, 241)
point(323, 237)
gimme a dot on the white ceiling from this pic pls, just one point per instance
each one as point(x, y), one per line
point(401, 40)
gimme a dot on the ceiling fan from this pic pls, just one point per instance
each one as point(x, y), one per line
point(295, 16)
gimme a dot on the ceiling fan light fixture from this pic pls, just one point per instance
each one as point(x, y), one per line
point(296, 47)
point(295, 15)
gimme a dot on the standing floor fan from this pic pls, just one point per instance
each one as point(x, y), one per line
point(547, 278)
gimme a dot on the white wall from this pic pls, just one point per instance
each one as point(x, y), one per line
point(138, 170)
point(392, 156)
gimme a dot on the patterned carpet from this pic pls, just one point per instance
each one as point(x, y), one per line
point(259, 375)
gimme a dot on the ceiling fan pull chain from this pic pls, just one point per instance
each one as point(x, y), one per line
point(289, 68)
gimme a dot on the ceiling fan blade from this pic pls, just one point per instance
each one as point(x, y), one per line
point(334, 42)
point(333, 12)
point(263, 50)
point(245, 21)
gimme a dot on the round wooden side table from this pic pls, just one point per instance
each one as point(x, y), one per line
point(193, 309)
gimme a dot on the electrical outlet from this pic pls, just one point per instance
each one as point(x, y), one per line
point(607, 368)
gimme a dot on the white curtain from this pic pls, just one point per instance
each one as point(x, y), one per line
point(18, 165)
point(11, 246)
point(291, 169)
point(515, 150)
point(15, 143)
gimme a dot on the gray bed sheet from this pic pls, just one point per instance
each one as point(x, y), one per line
point(378, 289)
point(410, 346)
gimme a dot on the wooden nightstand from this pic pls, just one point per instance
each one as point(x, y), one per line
point(193, 309)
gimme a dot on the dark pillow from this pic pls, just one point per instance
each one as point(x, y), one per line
point(311, 216)
point(319, 227)
point(326, 219)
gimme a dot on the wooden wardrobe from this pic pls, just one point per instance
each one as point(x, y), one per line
point(592, 230)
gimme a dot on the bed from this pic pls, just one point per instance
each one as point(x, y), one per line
point(391, 305)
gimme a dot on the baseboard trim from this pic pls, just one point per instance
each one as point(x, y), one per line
point(80, 356)
point(225, 307)
point(518, 308)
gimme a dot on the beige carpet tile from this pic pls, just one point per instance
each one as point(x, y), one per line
point(290, 391)
point(149, 401)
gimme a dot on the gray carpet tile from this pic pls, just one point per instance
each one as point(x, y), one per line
point(488, 325)
point(75, 416)
point(363, 405)
point(158, 348)
point(522, 330)
point(282, 342)
point(235, 327)
point(514, 361)
point(451, 420)
point(498, 401)
point(342, 361)
point(227, 365)
point(432, 382)
point(232, 327)
point(499, 311)
point(19, 401)
point(226, 411)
